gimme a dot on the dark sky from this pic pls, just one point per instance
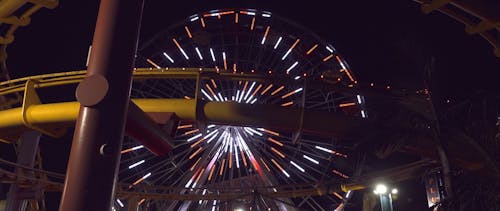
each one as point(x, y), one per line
point(386, 43)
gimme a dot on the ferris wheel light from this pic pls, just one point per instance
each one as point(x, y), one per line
point(189, 183)
point(359, 98)
point(310, 159)
point(168, 57)
point(198, 52)
point(343, 65)
point(363, 113)
point(248, 13)
point(277, 42)
point(188, 32)
point(248, 131)
point(286, 54)
point(340, 174)
point(211, 133)
point(291, 93)
point(253, 23)
point(277, 152)
point(132, 149)
point(140, 179)
point(330, 151)
point(154, 64)
point(265, 35)
point(137, 147)
point(212, 54)
point(311, 49)
point(241, 96)
point(146, 176)
point(136, 164)
point(213, 206)
point(291, 67)
point(236, 157)
point(119, 202)
point(180, 48)
point(249, 90)
point(250, 99)
point(266, 15)
point(257, 90)
point(195, 153)
point(220, 96)
point(290, 49)
point(194, 137)
point(275, 141)
point(277, 90)
point(206, 95)
point(327, 58)
point(213, 137)
point(194, 18)
point(297, 166)
point(323, 149)
point(253, 101)
point(329, 49)
point(266, 89)
point(224, 58)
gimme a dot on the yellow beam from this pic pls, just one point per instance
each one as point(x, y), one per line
point(50, 4)
point(7, 7)
point(56, 116)
point(15, 20)
point(434, 5)
point(481, 27)
point(73, 77)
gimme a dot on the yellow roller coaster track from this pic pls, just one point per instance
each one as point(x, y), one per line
point(17, 13)
point(52, 119)
point(478, 16)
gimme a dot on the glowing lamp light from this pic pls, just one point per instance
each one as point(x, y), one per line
point(394, 191)
point(380, 189)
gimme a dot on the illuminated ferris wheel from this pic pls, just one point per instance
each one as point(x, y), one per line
point(254, 58)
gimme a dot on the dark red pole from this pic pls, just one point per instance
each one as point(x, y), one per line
point(104, 97)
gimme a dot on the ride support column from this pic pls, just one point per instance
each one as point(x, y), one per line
point(104, 97)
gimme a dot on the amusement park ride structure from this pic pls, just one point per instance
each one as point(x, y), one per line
point(250, 93)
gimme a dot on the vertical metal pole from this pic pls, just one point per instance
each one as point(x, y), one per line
point(27, 154)
point(104, 96)
point(386, 202)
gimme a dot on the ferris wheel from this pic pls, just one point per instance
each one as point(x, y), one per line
point(249, 57)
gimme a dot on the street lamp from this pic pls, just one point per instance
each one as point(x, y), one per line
point(385, 196)
point(394, 191)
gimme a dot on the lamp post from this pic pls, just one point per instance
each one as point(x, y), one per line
point(385, 196)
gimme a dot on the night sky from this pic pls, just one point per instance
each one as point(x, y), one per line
point(386, 43)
